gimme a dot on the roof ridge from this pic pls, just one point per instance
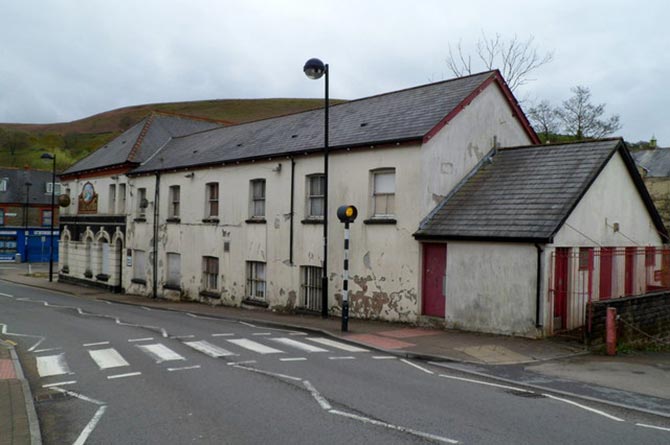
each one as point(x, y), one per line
point(140, 138)
point(192, 117)
point(555, 144)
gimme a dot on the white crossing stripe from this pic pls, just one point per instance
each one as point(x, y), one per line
point(51, 385)
point(227, 334)
point(336, 344)
point(255, 346)
point(348, 357)
point(207, 348)
point(293, 359)
point(132, 340)
point(107, 358)
point(49, 365)
point(160, 352)
point(298, 345)
point(100, 343)
point(122, 376)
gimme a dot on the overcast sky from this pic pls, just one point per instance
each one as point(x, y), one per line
point(62, 60)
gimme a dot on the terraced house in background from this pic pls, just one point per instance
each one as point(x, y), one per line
point(453, 229)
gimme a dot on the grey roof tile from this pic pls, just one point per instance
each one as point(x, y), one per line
point(656, 162)
point(16, 186)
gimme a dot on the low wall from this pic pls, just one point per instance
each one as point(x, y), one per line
point(647, 313)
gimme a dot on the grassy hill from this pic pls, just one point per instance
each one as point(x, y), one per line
point(72, 141)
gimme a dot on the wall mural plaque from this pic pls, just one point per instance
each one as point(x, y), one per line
point(88, 199)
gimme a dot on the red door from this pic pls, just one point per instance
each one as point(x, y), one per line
point(561, 288)
point(434, 270)
point(606, 254)
point(630, 270)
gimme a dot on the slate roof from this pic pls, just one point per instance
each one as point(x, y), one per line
point(526, 193)
point(655, 162)
point(16, 186)
point(142, 140)
point(387, 118)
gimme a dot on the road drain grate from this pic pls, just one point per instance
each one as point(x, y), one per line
point(52, 397)
point(527, 395)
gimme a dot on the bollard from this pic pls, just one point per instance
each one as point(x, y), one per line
point(610, 331)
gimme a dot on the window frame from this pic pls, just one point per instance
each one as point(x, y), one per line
point(174, 203)
point(141, 195)
point(112, 198)
point(311, 197)
point(209, 277)
point(212, 197)
point(2, 216)
point(375, 213)
point(256, 285)
point(44, 222)
point(585, 258)
point(311, 278)
point(257, 200)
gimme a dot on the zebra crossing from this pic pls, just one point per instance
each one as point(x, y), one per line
point(107, 357)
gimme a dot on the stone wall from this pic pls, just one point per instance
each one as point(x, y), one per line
point(649, 314)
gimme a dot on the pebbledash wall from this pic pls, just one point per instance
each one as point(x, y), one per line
point(385, 264)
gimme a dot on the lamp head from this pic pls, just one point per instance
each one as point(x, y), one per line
point(314, 68)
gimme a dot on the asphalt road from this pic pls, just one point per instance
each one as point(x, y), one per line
point(110, 374)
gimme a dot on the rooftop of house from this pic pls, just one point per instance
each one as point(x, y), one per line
point(13, 186)
point(526, 193)
point(655, 162)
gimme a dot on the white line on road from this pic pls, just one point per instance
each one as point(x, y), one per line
point(384, 357)
point(293, 359)
point(323, 403)
point(227, 334)
point(160, 352)
point(247, 324)
point(255, 346)
point(52, 365)
point(108, 358)
point(262, 333)
point(96, 417)
point(643, 425)
point(587, 408)
point(146, 308)
point(179, 337)
point(427, 371)
point(337, 344)
point(6, 295)
point(51, 385)
point(298, 345)
point(481, 382)
point(37, 351)
point(39, 342)
point(100, 343)
point(121, 376)
point(209, 349)
point(297, 333)
point(132, 340)
point(274, 374)
point(184, 368)
point(393, 427)
point(348, 357)
point(246, 362)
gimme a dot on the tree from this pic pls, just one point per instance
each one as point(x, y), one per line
point(583, 120)
point(14, 141)
point(516, 59)
point(544, 118)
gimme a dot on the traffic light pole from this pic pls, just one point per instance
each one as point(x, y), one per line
point(345, 283)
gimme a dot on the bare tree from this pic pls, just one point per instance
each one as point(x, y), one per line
point(582, 119)
point(516, 59)
point(544, 118)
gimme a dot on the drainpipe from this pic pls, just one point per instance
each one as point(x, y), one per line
point(538, 290)
point(290, 249)
point(155, 262)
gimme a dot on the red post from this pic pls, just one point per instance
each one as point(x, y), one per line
point(610, 331)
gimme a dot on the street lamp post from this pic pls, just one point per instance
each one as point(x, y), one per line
point(26, 213)
point(53, 215)
point(315, 69)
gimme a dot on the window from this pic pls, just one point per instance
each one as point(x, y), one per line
point(46, 217)
point(174, 202)
point(122, 199)
point(173, 278)
point(258, 198)
point(3, 184)
point(310, 287)
point(141, 201)
point(212, 196)
point(210, 273)
point(256, 280)
point(316, 186)
point(383, 193)
point(112, 198)
point(2, 217)
point(650, 256)
point(139, 265)
point(585, 254)
point(50, 186)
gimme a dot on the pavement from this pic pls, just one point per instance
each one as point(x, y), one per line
point(639, 373)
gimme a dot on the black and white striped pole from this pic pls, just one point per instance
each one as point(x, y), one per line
point(347, 215)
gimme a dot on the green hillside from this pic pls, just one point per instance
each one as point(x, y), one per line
point(22, 144)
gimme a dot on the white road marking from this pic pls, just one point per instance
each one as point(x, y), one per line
point(384, 357)
point(481, 382)
point(348, 357)
point(246, 362)
point(178, 337)
point(427, 371)
point(160, 352)
point(298, 345)
point(247, 324)
point(323, 403)
point(32, 348)
point(254, 346)
point(6, 295)
point(209, 349)
point(227, 334)
point(146, 308)
point(587, 408)
point(336, 344)
point(262, 333)
point(108, 358)
point(274, 374)
point(100, 343)
point(184, 368)
point(83, 436)
point(49, 365)
point(652, 426)
point(121, 376)
point(393, 427)
point(132, 340)
point(293, 359)
point(51, 385)
point(37, 351)
point(297, 333)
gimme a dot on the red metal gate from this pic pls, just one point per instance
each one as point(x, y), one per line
point(434, 270)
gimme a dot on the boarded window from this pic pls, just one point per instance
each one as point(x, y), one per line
point(112, 198)
point(122, 198)
point(256, 280)
point(139, 264)
point(173, 278)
